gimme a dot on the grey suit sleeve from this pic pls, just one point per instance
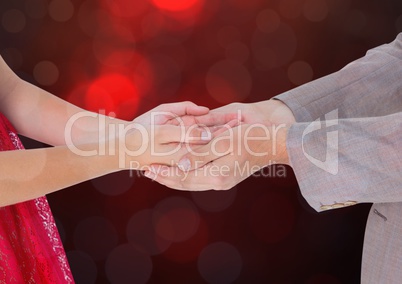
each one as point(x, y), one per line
point(345, 146)
point(344, 161)
point(369, 86)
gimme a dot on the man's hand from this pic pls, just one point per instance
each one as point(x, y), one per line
point(227, 159)
point(265, 112)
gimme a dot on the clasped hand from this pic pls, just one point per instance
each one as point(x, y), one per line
point(235, 150)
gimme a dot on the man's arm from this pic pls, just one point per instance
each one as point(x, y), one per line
point(350, 161)
point(363, 164)
point(366, 96)
point(370, 86)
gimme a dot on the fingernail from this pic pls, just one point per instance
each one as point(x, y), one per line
point(184, 164)
point(206, 135)
point(150, 175)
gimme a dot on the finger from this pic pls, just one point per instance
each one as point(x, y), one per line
point(217, 130)
point(216, 118)
point(218, 147)
point(216, 176)
point(189, 134)
point(174, 178)
point(184, 108)
point(196, 110)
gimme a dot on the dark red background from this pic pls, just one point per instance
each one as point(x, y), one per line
point(163, 56)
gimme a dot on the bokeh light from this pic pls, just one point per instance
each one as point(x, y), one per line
point(142, 235)
point(113, 93)
point(220, 263)
point(125, 264)
point(178, 219)
point(315, 10)
point(177, 5)
point(96, 236)
point(13, 21)
point(300, 72)
point(61, 10)
point(46, 73)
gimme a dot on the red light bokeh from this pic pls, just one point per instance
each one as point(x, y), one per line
point(175, 6)
point(110, 93)
point(113, 93)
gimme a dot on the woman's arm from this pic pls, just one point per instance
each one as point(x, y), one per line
point(29, 174)
point(37, 114)
point(42, 116)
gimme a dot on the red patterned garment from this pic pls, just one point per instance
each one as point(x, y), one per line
point(30, 247)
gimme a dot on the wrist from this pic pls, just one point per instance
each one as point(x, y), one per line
point(273, 111)
point(131, 146)
point(281, 139)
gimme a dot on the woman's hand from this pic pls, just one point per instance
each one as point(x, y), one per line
point(185, 113)
point(140, 146)
point(163, 134)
